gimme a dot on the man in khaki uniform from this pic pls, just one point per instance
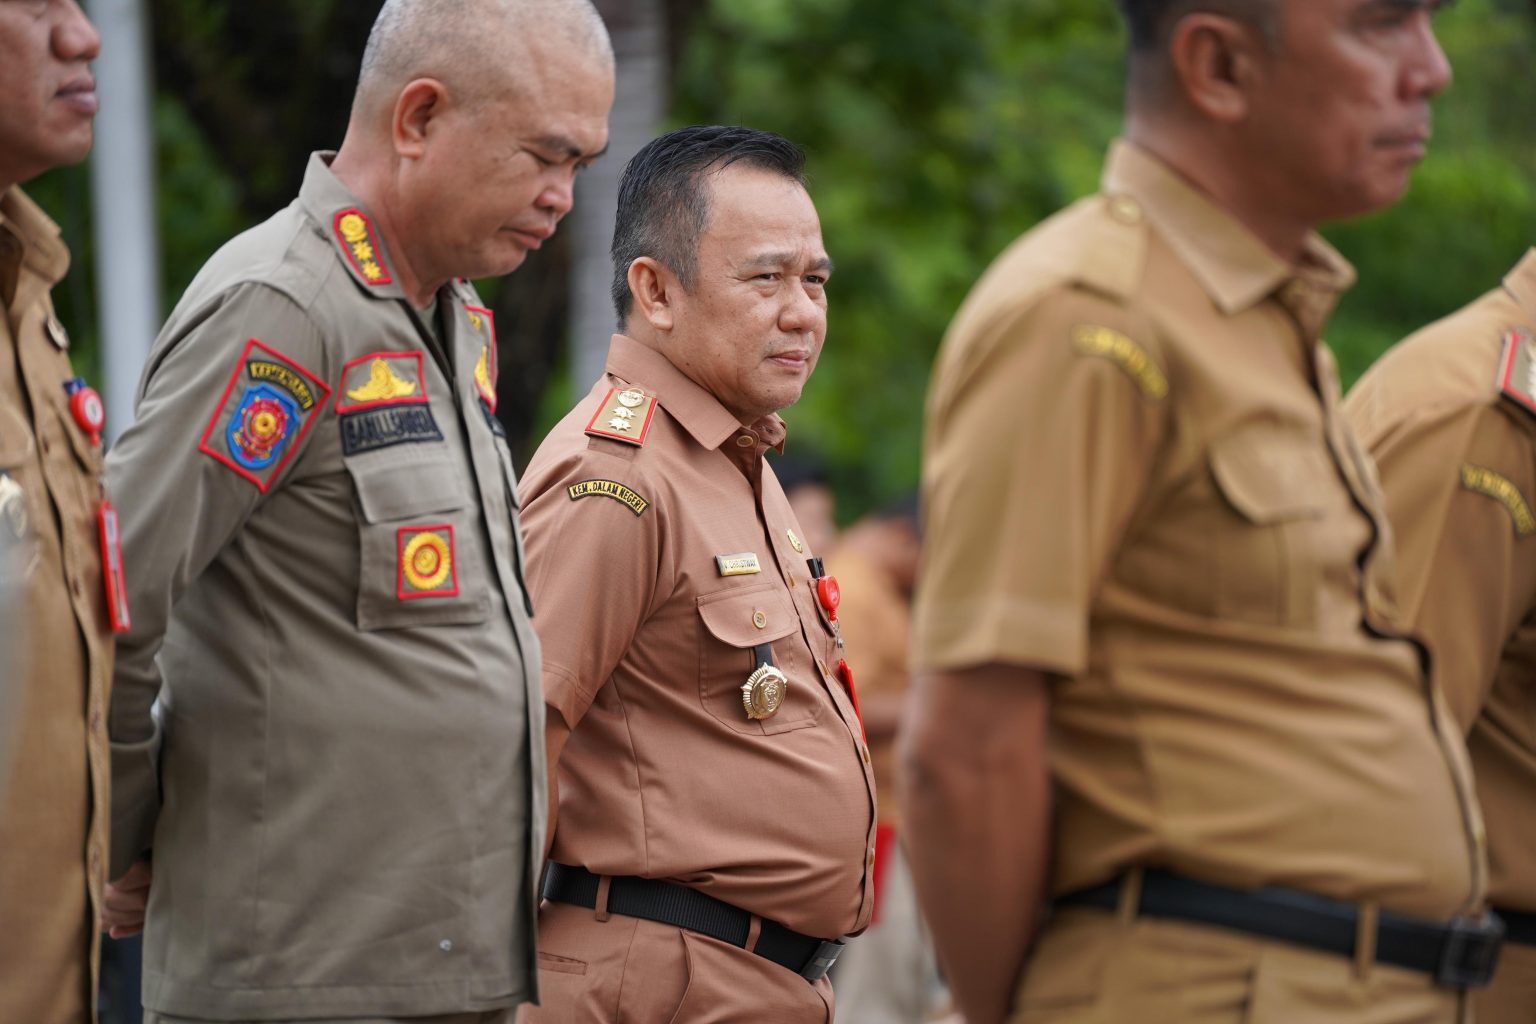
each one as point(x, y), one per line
point(716, 805)
point(1450, 415)
point(1155, 618)
point(55, 636)
point(319, 515)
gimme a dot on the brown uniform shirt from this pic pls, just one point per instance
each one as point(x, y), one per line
point(647, 644)
point(321, 543)
point(1458, 466)
point(1137, 479)
point(53, 792)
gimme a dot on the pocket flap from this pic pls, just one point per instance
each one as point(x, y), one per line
point(1272, 475)
point(733, 616)
point(404, 490)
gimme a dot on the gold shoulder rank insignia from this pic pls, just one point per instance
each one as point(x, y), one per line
point(382, 385)
point(623, 416)
point(357, 240)
point(1092, 340)
point(1517, 368)
point(609, 489)
point(1502, 490)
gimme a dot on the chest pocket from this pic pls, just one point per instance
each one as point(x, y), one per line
point(734, 622)
point(420, 557)
point(1271, 552)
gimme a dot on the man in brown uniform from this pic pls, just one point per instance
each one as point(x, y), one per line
point(716, 805)
point(1161, 686)
point(1450, 415)
point(319, 516)
point(55, 656)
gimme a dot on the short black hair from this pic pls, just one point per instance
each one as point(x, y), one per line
point(1148, 21)
point(663, 205)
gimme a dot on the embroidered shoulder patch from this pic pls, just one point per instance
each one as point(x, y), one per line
point(1502, 490)
point(1092, 340)
point(1517, 368)
point(355, 234)
point(381, 378)
point(265, 411)
point(609, 489)
point(624, 416)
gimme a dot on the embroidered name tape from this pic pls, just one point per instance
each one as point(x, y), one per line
point(1502, 490)
point(1092, 340)
point(373, 429)
point(743, 564)
point(609, 489)
point(266, 409)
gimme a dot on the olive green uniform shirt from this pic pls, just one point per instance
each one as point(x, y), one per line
point(321, 540)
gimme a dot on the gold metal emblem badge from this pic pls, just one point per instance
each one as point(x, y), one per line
point(763, 692)
point(794, 542)
point(631, 399)
point(382, 385)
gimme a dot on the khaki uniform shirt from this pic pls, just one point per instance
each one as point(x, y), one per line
point(1458, 465)
point(647, 643)
point(320, 532)
point(53, 790)
point(1137, 480)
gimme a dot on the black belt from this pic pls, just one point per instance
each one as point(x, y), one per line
point(1460, 953)
point(1519, 926)
point(678, 905)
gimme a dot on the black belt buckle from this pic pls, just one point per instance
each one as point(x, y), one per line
point(822, 960)
point(1470, 952)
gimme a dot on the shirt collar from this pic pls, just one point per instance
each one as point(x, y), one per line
point(41, 248)
point(1521, 283)
point(349, 227)
point(1235, 268)
point(699, 412)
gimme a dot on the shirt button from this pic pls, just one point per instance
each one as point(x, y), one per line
point(96, 722)
point(95, 858)
point(745, 441)
point(1125, 210)
point(45, 445)
point(871, 856)
point(74, 585)
point(760, 619)
point(865, 752)
point(446, 945)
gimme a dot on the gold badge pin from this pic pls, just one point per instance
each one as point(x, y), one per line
point(631, 399)
point(794, 542)
point(763, 692)
point(56, 333)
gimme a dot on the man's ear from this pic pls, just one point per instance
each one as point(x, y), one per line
point(419, 103)
point(653, 289)
point(1214, 62)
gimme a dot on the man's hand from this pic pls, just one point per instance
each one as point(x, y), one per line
point(123, 905)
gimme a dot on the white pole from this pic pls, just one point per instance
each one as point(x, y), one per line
point(123, 204)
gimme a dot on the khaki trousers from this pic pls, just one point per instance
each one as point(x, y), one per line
point(626, 969)
point(1511, 999)
point(1094, 967)
point(486, 1017)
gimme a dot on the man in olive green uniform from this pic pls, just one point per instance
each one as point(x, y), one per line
point(1154, 540)
point(56, 627)
point(1450, 415)
point(321, 536)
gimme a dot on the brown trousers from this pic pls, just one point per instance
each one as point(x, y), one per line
point(1092, 967)
point(624, 969)
point(1511, 999)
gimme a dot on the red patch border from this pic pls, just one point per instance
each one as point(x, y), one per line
point(638, 439)
point(1513, 339)
point(420, 398)
point(373, 240)
point(401, 536)
point(218, 410)
point(490, 322)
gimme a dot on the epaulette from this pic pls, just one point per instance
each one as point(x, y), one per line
point(1112, 256)
point(623, 416)
point(1517, 368)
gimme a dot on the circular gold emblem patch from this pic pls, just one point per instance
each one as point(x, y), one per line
point(631, 398)
point(763, 692)
point(427, 561)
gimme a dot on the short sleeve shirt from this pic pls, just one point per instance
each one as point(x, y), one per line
point(662, 562)
point(1137, 479)
point(1450, 416)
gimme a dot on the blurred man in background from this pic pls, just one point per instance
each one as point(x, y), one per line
point(1163, 689)
point(890, 975)
point(342, 781)
point(1450, 415)
point(55, 654)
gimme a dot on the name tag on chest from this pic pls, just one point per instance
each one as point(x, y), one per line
point(743, 564)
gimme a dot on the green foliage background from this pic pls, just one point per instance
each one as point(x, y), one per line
point(938, 130)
